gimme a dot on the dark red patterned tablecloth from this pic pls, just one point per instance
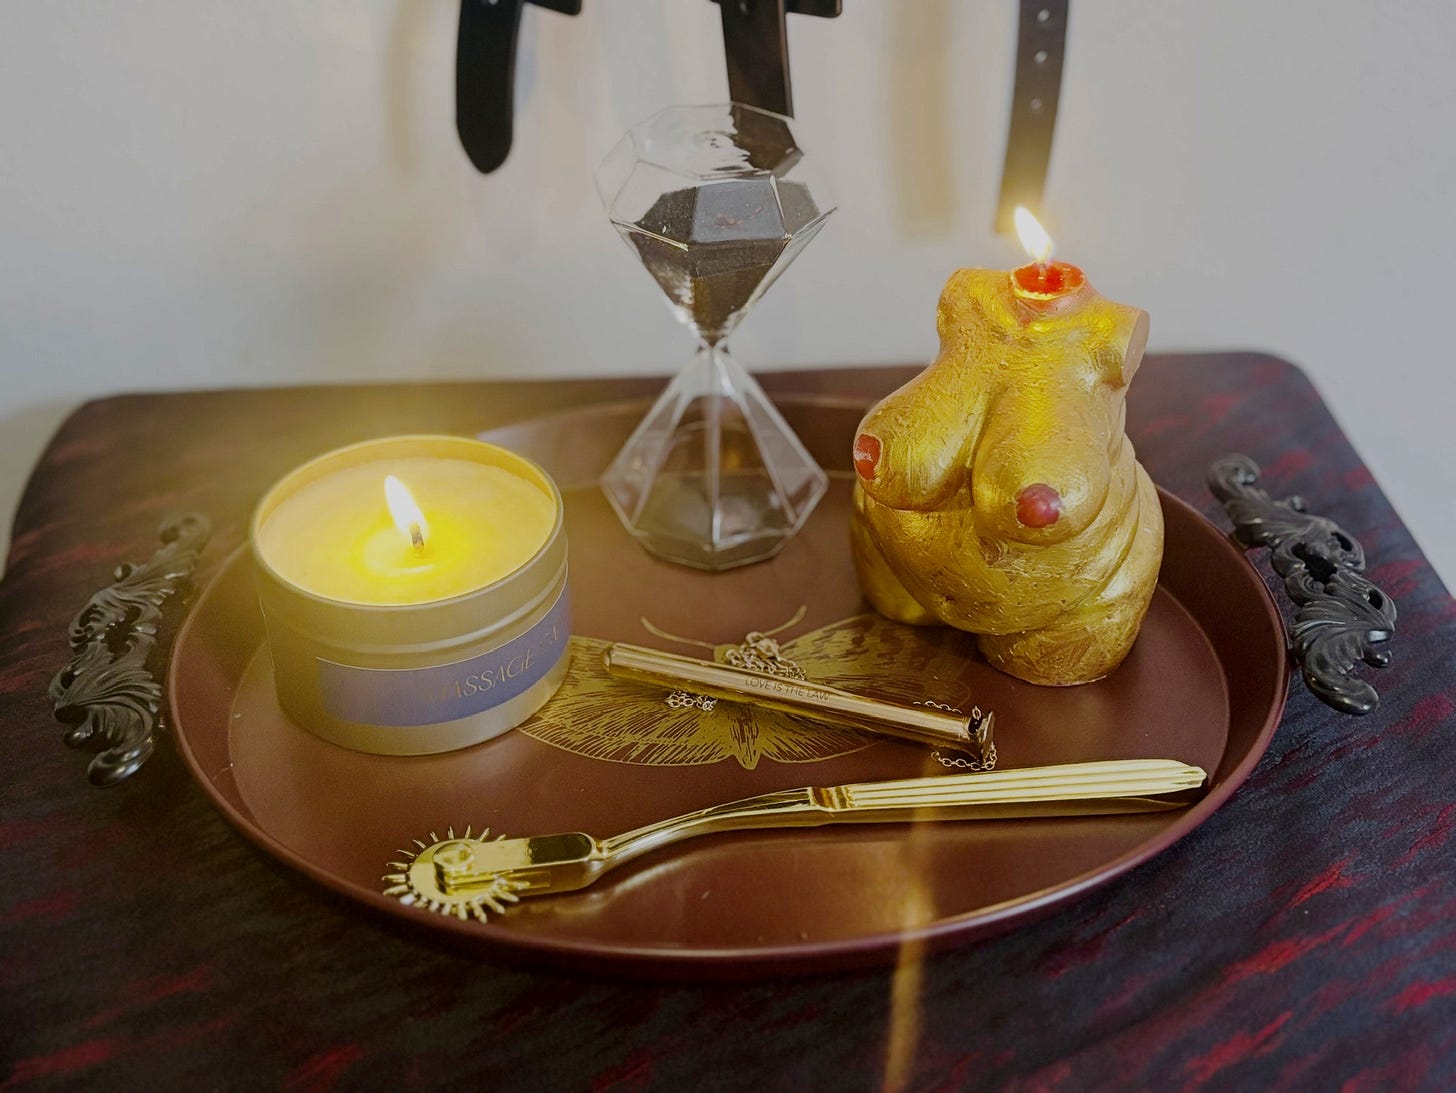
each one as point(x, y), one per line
point(1305, 937)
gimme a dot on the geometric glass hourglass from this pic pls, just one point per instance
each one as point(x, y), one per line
point(716, 202)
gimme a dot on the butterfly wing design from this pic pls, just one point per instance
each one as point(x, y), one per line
point(604, 718)
point(619, 722)
point(870, 655)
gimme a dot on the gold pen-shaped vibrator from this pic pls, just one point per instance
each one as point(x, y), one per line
point(817, 701)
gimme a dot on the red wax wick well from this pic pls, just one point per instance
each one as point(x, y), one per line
point(1047, 280)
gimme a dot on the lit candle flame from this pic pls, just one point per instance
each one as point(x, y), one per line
point(1033, 236)
point(406, 514)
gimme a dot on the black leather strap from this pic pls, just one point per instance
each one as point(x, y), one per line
point(485, 75)
point(756, 47)
point(1040, 48)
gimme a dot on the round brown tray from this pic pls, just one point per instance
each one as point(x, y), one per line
point(1205, 683)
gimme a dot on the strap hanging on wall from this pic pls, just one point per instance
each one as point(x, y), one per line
point(485, 75)
point(1041, 45)
point(756, 47)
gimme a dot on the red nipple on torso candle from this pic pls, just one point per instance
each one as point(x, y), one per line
point(997, 492)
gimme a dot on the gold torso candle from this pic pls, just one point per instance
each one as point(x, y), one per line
point(997, 491)
point(414, 591)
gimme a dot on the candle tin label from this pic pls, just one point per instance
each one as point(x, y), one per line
point(447, 692)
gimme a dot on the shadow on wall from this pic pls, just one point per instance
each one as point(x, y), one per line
point(918, 118)
point(25, 430)
point(368, 263)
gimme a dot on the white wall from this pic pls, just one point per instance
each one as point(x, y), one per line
point(198, 193)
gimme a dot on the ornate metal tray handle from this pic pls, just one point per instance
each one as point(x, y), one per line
point(108, 694)
point(1341, 619)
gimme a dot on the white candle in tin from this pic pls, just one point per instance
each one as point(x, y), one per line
point(414, 590)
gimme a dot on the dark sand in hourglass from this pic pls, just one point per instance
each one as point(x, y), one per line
point(712, 248)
